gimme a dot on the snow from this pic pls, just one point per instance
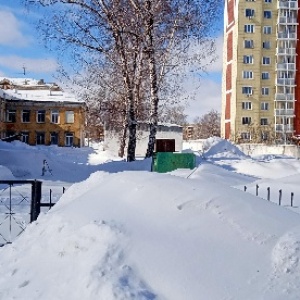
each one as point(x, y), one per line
point(122, 232)
point(33, 91)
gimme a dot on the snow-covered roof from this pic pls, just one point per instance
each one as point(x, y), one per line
point(35, 90)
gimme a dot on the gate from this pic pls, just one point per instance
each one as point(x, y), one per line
point(18, 207)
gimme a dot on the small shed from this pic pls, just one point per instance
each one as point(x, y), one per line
point(164, 132)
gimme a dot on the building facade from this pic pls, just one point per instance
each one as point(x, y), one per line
point(40, 114)
point(261, 70)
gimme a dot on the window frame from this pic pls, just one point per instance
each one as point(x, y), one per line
point(27, 111)
point(266, 123)
point(41, 114)
point(55, 116)
point(266, 29)
point(248, 44)
point(265, 77)
point(248, 90)
point(265, 14)
point(266, 90)
point(246, 120)
point(11, 116)
point(68, 113)
point(249, 28)
point(266, 60)
point(69, 136)
point(249, 73)
point(246, 105)
point(264, 43)
point(248, 59)
point(264, 106)
point(40, 134)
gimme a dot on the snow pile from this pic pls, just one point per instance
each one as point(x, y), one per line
point(122, 232)
point(216, 147)
point(140, 235)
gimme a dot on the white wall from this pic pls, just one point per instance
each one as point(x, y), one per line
point(258, 149)
point(112, 141)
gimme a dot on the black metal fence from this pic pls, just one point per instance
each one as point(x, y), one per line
point(19, 206)
point(268, 195)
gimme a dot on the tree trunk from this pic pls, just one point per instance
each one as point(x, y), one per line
point(123, 139)
point(153, 119)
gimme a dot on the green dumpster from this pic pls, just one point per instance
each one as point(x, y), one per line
point(168, 161)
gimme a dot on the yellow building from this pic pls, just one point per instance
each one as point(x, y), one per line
point(259, 70)
point(40, 113)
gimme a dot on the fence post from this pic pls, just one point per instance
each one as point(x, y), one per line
point(50, 198)
point(245, 189)
point(268, 197)
point(292, 199)
point(36, 195)
point(280, 196)
point(257, 187)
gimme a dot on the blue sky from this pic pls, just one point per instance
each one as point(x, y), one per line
point(21, 47)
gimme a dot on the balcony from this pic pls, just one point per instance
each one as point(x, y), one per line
point(284, 128)
point(286, 81)
point(288, 4)
point(286, 66)
point(284, 97)
point(286, 51)
point(288, 20)
point(284, 112)
point(287, 35)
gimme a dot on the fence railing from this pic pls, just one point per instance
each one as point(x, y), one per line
point(268, 194)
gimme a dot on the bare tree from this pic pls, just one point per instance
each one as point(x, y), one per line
point(170, 29)
point(174, 115)
point(207, 125)
point(128, 33)
point(103, 27)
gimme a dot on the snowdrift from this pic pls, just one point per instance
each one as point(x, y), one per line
point(140, 235)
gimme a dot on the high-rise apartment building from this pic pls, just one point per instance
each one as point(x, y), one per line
point(261, 71)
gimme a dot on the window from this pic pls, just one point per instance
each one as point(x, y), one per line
point(26, 116)
point(54, 138)
point(69, 138)
point(268, 1)
point(25, 137)
point(265, 75)
point(267, 30)
point(266, 60)
point(249, 28)
point(11, 115)
point(247, 74)
point(247, 90)
point(40, 116)
point(40, 138)
point(246, 120)
point(248, 44)
point(263, 121)
point(55, 116)
point(265, 91)
point(245, 136)
point(264, 136)
point(267, 45)
point(248, 59)
point(264, 106)
point(249, 12)
point(69, 116)
point(267, 14)
point(247, 105)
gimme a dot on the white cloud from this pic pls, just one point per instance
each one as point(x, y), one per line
point(10, 31)
point(205, 98)
point(37, 65)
